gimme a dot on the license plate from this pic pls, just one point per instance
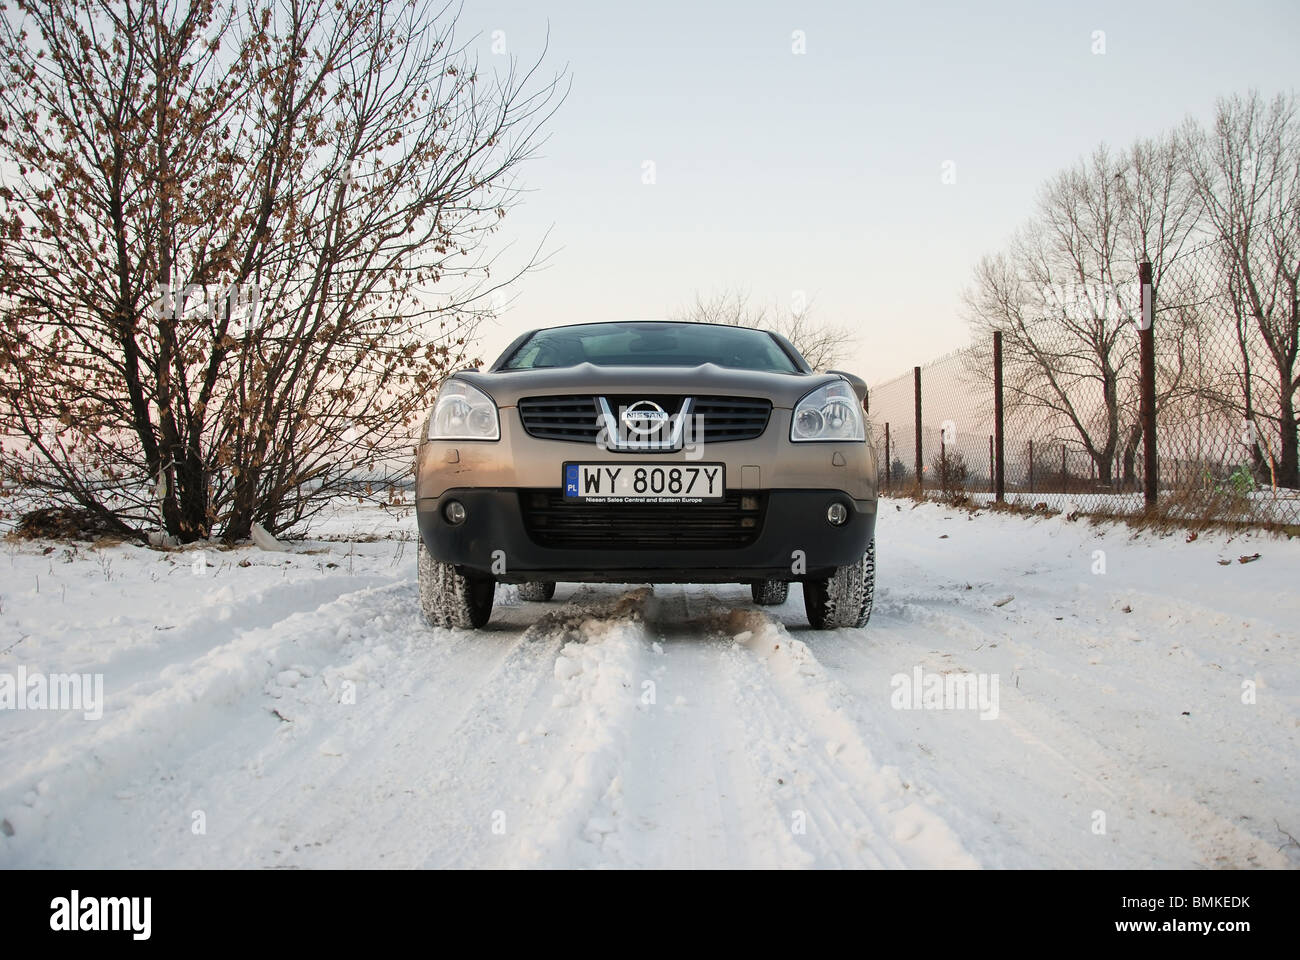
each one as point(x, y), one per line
point(644, 482)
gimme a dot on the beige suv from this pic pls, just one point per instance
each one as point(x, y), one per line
point(647, 452)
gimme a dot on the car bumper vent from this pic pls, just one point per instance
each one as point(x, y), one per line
point(553, 521)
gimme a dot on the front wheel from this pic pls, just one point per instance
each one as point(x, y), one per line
point(844, 598)
point(451, 599)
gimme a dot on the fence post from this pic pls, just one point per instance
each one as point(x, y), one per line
point(1147, 342)
point(1065, 473)
point(888, 465)
point(1031, 466)
point(943, 464)
point(999, 477)
point(920, 474)
point(992, 481)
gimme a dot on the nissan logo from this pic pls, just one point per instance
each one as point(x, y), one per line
point(644, 417)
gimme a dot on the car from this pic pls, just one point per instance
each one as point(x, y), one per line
point(647, 452)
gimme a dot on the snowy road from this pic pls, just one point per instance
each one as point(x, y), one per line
point(291, 710)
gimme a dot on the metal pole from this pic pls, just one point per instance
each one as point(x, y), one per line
point(999, 478)
point(1065, 475)
point(1147, 342)
point(888, 465)
point(1031, 466)
point(920, 473)
point(992, 481)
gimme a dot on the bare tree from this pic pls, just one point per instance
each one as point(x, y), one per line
point(245, 240)
point(1064, 297)
point(1247, 174)
point(823, 345)
point(1163, 212)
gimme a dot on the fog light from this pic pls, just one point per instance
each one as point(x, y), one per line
point(454, 511)
point(837, 514)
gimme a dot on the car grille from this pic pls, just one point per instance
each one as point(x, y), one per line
point(576, 418)
point(732, 418)
point(560, 418)
point(552, 521)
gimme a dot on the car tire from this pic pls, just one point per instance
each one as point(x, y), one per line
point(769, 593)
point(449, 598)
point(538, 591)
point(843, 599)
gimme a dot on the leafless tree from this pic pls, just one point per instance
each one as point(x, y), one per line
point(1064, 297)
point(1246, 171)
point(823, 345)
point(1163, 212)
point(240, 243)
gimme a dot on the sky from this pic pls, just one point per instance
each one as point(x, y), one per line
point(866, 174)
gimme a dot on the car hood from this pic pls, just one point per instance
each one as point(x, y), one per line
point(506, 387)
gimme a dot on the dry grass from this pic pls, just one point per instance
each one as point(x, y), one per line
point(1190, 511)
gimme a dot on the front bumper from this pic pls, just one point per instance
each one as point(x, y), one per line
point(794, 541)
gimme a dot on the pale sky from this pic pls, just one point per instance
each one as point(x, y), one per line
point(822, 172)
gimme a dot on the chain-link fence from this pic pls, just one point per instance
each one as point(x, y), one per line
point(1222, 379)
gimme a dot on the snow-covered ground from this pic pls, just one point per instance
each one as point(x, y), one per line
point(1141, 709)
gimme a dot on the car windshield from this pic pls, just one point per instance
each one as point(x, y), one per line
point(651, 344)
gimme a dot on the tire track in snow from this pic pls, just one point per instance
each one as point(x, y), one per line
point(859, 812)
point(470, 791)
point(670, 781)
point(375, 780)
point(1059, 750)
point(738, 761)
point(411, 775)
point(214, 704)
point(742, 760)
point(171, 650)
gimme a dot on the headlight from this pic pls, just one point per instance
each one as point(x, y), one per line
point(828, 413)
point(464, 412)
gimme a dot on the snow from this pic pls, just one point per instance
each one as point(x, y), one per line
point(291, 709)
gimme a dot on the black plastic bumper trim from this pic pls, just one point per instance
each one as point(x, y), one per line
point(796, 542)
